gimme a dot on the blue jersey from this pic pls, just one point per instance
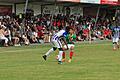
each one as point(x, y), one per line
point(61, 33)
point(116, 32)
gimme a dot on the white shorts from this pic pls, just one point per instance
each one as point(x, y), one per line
point(69, 46)
point(115, 39)
point(4, 38)
point(56, 43)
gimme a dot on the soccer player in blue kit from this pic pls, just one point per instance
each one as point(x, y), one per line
point(116, 36)
point(57, 44)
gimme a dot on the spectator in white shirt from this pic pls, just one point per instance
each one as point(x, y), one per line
point(2, 35)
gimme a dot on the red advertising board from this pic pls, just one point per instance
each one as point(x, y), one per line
point(90, 1)
point(69, 0)
point(5, 10)
point(113, 2)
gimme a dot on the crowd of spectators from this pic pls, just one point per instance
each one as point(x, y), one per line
point(18, 31)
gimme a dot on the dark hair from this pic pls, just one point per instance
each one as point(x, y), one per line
point(60, 27)
point(67, 29)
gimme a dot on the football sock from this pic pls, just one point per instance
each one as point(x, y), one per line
point(63, 55)
point(118, 45)
point(60, 55)
point(49, 52)
point(71, 54)
point(114, 46)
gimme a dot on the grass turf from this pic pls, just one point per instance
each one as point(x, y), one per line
point(92, 62)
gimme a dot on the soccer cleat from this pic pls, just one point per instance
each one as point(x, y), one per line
point(45, 57)
point(59, 62)
point(69, 60)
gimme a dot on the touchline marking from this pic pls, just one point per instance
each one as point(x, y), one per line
point(94, 44)
point(40, 48)
point(18, 50)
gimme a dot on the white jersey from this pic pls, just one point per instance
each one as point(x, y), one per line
point(116, 32)
point(59, 34)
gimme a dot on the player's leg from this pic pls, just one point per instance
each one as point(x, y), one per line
point(114, 44)
point(117, 42)
point(64, 54)
point(50, 51)
point(71, 52)
point(59, 46)
point(60, 56)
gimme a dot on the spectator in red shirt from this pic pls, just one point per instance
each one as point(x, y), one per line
point(85, 34)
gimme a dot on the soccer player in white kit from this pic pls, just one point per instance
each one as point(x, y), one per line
point(57, 44)
point(116, 36)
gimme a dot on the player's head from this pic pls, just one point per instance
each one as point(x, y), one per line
point(115, 23)
point(60, 28)
point(67, 29)
point(71, 30)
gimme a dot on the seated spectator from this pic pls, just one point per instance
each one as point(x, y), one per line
point(46, 35)
point(99, 35)
point(15, 37)
point(8, 35)
point(34, 33)
point(25, 39)
point(106, 33)
point(86, 34)
point(40, 36)
point(2, 35)
point(50, 35)
point(34, 37)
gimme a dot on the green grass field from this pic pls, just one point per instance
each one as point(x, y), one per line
point(92, 62)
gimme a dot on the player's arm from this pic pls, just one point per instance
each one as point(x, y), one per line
point(65, 42)
point(113, 32)
point(73, 39)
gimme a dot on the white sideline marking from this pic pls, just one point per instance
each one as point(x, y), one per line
point(18, 50)
point(93, 44)
point(39, 48)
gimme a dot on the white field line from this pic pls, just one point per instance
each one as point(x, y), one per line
point(10, 51)
point(18, 50)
